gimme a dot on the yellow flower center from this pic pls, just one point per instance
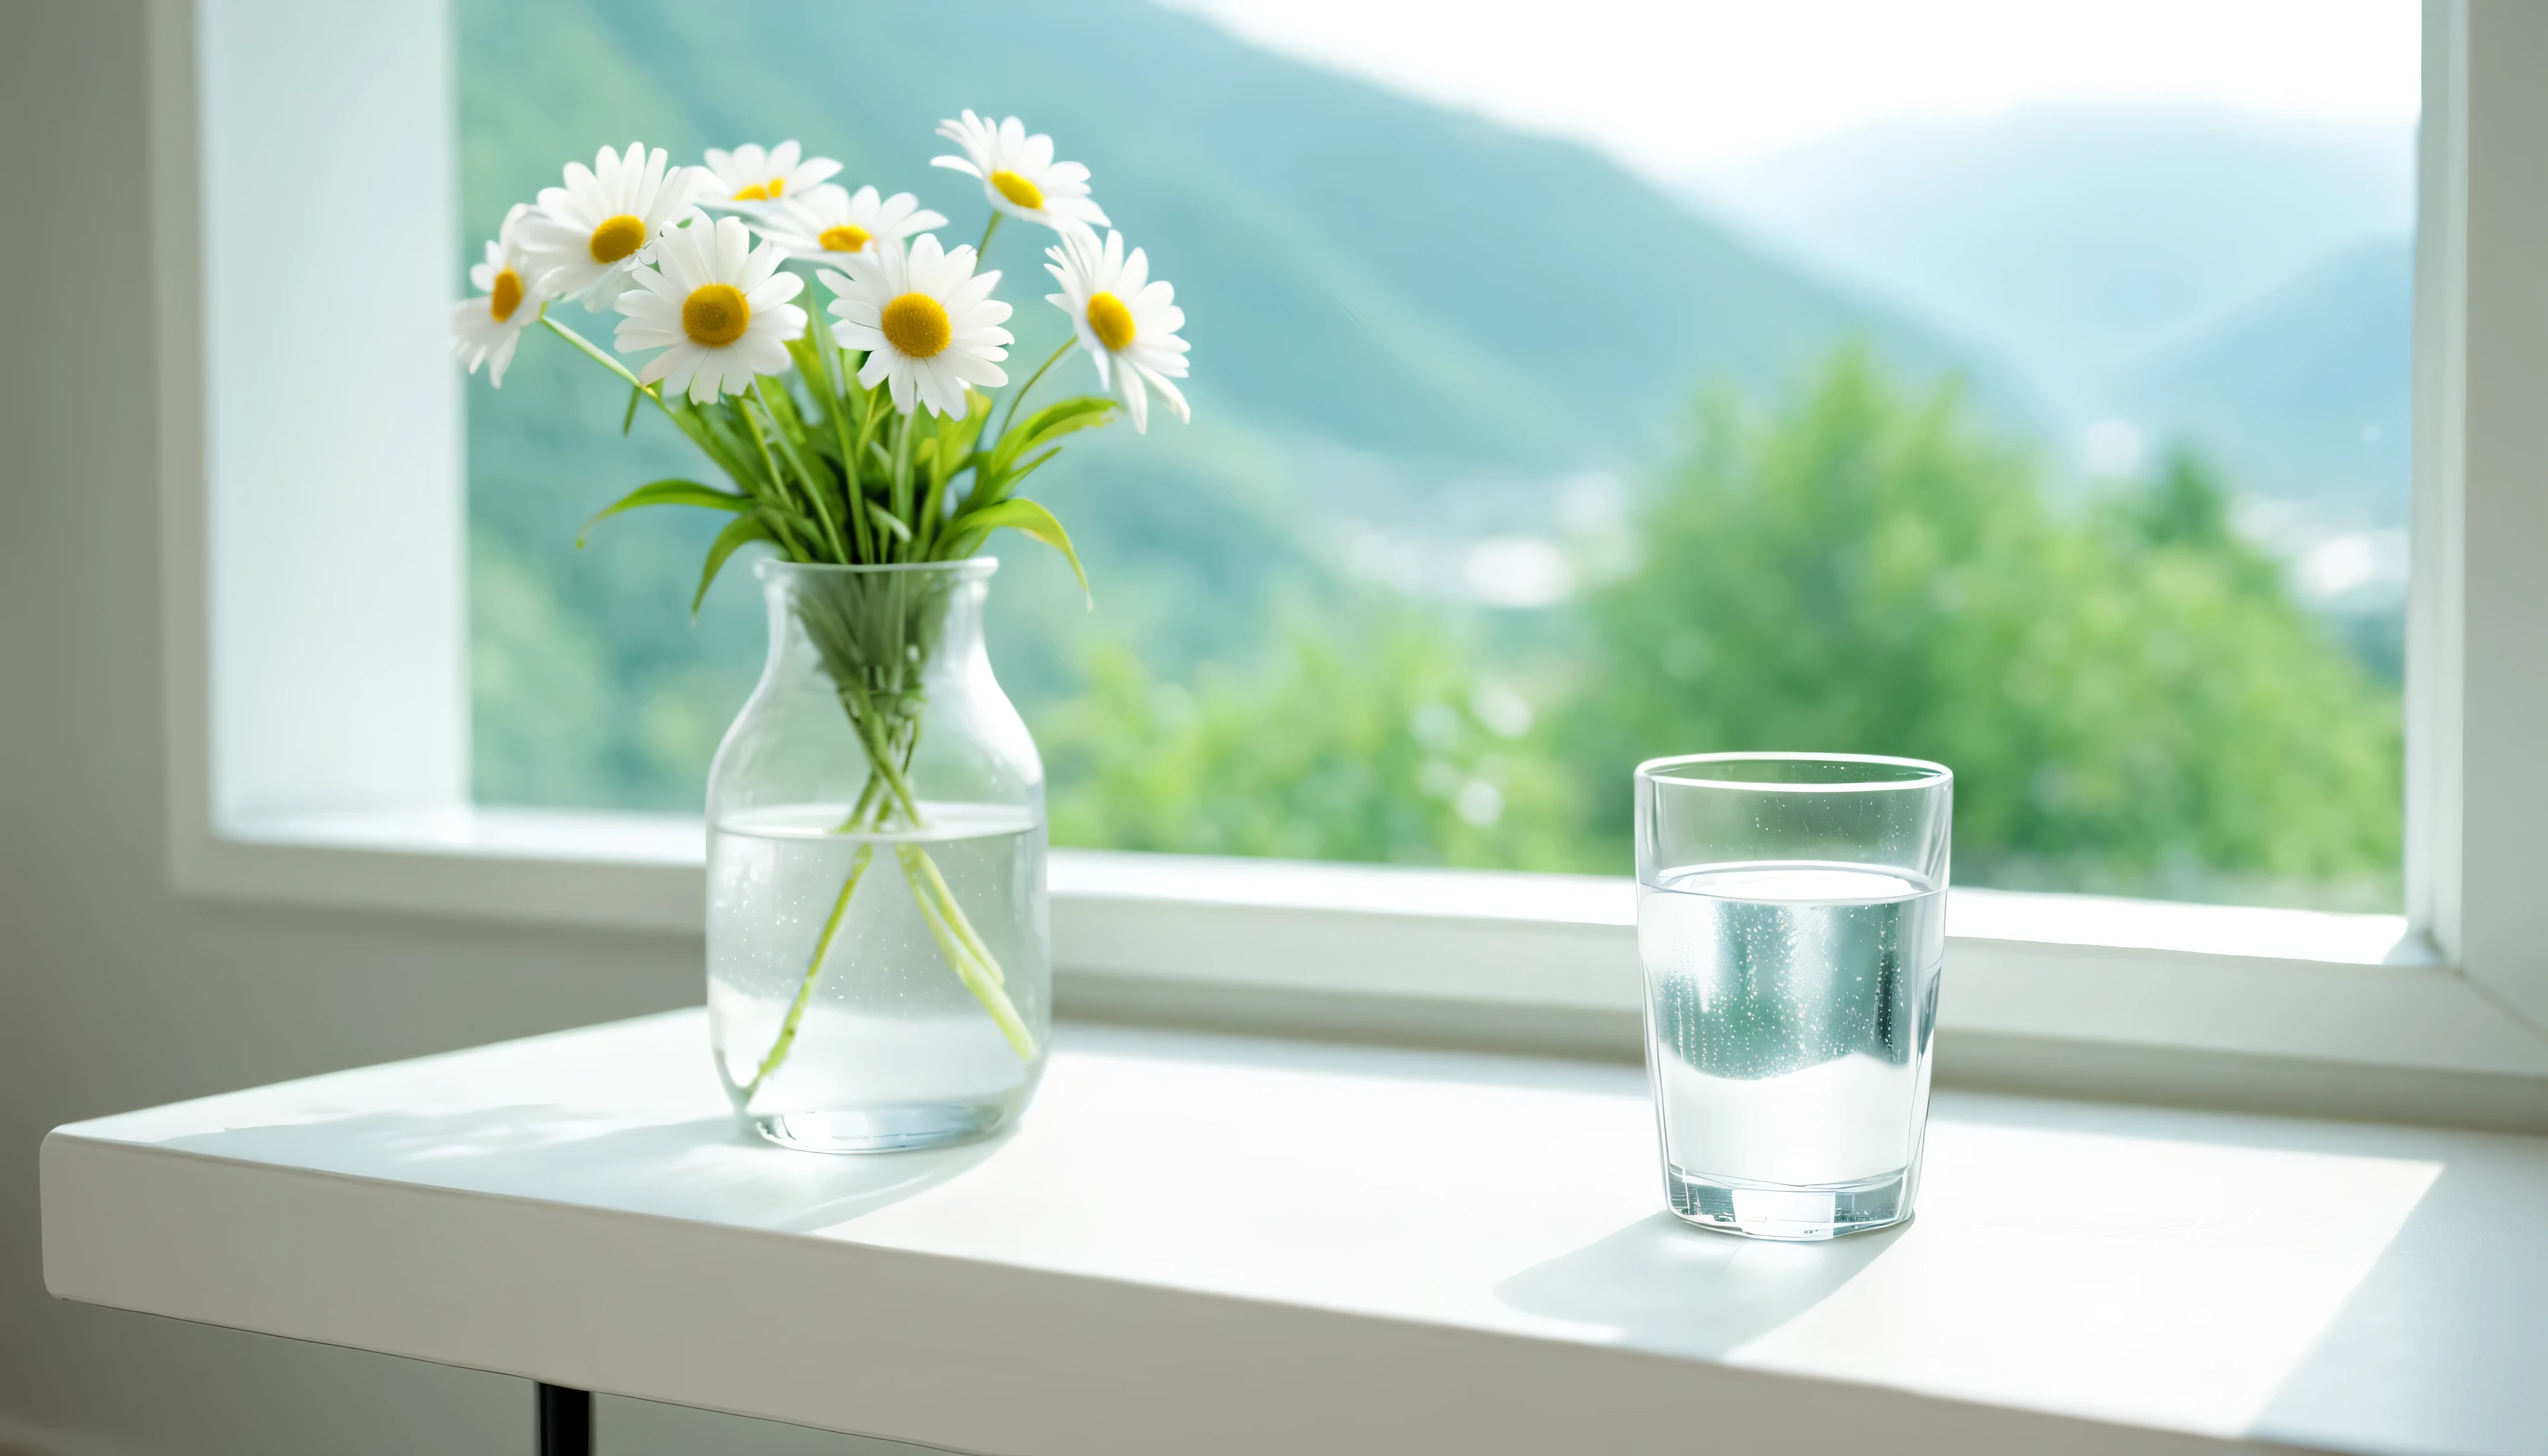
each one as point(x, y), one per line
point(617, 237)
point(715, 316)
point(849, 238)
point(917, 324)
point(505, 296)
point(1112, 320)
point(1018, 189)
point(763, 191)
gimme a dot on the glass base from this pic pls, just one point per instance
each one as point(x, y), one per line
point(899, 1128)
point(1787, 1211)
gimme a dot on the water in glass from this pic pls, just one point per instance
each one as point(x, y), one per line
point(1790, 1012)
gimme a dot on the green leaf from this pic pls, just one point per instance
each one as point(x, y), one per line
point(715, 431)
point(667, 492)
point(1050, 422)
point(1030, 468)
point(739, 532)
point(888, 521)
point(1031, 519)
point(780, 402)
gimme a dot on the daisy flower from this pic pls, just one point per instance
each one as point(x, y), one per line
point(928, 322)
point(1127, 320)
point(484, 329)
point(716, 305)
point(1019, 174)
point(828, 224)
point(585, 237)
point(748, 175)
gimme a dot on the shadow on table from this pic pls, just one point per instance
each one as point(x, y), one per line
point(711, 1170)
point(1665, 1284)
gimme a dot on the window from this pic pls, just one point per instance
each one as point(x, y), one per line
point(2025, 392)
point(318, 689)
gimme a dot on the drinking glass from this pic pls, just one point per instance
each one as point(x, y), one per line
point(1791, 917)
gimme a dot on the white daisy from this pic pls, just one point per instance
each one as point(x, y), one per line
point(828, 224)
point(585, 237)
point(716, 305)
point(484, 329)
point(1127, 320)
point(926, 320)
point(747, 175)
point(1019, 174)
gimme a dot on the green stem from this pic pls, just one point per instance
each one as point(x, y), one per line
point(814, 493)
point(957, 919)
point(933, 506)
point(1019, 396)
point(901, 482)
point(868, 422)
point(978, 979)
point(836, 399)
point(860, 811)
point(862, 816)
point(778, 482)
point(687, 421)
point(982, 249)
point(787, 1042)
point(862, 722)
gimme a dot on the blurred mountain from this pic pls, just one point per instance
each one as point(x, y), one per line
point(2303, 395)
point(1355, 264)
point(2082, 243)
point(1406, 321)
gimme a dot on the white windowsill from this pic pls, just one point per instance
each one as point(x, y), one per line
point(1211, 1243)
point(1543, 962)
point(531, 842)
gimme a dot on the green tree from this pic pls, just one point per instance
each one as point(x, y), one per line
point(2131, 701)
point(1373, 740)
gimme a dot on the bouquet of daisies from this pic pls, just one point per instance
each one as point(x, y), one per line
point(860, 434)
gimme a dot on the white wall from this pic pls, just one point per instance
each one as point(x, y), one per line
point(114, 992)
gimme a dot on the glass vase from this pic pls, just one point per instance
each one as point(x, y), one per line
point(879, 947)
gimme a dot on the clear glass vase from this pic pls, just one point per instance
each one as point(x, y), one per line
point(879, 963)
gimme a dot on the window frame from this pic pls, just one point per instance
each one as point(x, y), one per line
point(268, 675)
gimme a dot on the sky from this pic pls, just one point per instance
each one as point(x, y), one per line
point(1677, 87)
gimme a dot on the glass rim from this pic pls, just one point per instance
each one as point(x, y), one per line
point(1931, 775)
point(769, 566)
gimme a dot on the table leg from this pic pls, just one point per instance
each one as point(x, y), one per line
point(566, 1421)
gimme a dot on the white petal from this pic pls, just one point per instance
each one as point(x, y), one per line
point(762, 353)
point(1177, 400)
point(973, 369)
point(1136, 401)
point(671, 359)
point(775, 290)
point(898, 369)
point(785, 322)
point(501, 358)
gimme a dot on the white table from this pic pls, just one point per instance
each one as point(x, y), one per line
point(1203, 1245)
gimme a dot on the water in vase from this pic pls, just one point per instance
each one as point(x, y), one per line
point(891, 1047)
point(1789, 1014)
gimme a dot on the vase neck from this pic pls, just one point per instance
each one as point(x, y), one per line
point(877, 629)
